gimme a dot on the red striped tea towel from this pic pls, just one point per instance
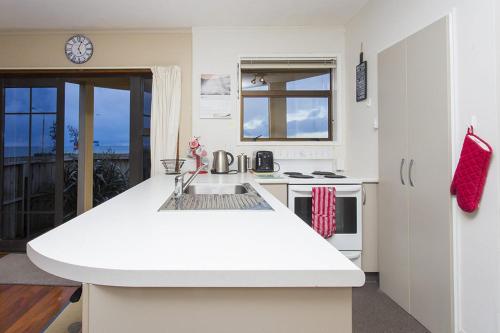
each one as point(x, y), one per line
point(323, 211)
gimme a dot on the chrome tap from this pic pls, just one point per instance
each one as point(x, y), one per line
point(180, 185)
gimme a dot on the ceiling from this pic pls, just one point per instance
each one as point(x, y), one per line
point(168, 14)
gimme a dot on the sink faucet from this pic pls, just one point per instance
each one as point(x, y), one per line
point(180, 185)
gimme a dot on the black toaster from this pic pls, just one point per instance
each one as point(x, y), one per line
point(263, 161)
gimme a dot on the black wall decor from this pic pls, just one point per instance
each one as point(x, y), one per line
point(361, 79)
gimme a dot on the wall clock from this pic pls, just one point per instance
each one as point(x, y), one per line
point(79, 49)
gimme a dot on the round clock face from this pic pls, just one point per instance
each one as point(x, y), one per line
point(79, 49)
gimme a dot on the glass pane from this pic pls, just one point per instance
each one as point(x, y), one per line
point(71, 131)
point(303, 209)
point(40, 223)
point(146, 146)
point(255, 117)
point(111, 142)
point(42, 197)
point(111, 121)
point(146, 154)
point(346, 215)
point(71, 118)
point(146, 122)
point(44, 100)
point(316, 79)
point(260, 86)
point(14, 178)
point(147, 96)
point(13, 226)
point(43, 136)
point(291, 117)
point(42, 169)
point(307, 117)
point(70, 195)
point(309, 81)
point(16, 138)
point(13, 182)
point(17, 100)
point(254, 81)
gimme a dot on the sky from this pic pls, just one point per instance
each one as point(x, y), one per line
point(111, 117)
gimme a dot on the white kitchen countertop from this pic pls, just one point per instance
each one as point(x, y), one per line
point(127, 242)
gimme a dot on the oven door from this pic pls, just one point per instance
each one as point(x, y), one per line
point(347, 212)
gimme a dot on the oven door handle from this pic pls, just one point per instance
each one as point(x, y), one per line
point(343, 189)
point(303, 192)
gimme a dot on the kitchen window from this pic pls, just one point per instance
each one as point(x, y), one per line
point(287, 99)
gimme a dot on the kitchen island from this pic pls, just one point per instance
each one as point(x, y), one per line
point(199, 271)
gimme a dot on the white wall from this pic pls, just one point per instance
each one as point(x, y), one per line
point(497, 23)
point(380, 24)
point(217, 50)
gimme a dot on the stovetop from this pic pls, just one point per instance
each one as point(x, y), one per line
point(314, 174)
point(304, 178)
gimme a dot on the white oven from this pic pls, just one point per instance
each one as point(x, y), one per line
point(348, 215)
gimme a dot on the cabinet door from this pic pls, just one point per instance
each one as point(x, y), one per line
point(369, 256)
point(280, 191)
point(393, 194)
point(428, 91)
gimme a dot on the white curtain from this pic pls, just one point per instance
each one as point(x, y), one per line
point(165, 115)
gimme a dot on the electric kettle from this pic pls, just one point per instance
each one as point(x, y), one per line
point(222, 161)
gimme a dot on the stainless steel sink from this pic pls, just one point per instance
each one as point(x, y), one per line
point(217, 197)
point(215, 189)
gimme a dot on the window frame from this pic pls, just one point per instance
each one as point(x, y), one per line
point(284, 94)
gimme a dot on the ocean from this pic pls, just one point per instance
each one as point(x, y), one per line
point(23, 151)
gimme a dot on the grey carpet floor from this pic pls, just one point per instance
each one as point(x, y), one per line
point(374, 312)
point(16, 268)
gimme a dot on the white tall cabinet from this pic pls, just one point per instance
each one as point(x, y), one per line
point(415, 231)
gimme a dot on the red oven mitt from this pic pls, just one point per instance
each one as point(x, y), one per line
point(470, 175)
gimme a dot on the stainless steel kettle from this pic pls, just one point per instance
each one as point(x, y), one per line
point(222, 161)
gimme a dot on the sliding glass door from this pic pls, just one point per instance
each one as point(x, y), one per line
point(41, 154)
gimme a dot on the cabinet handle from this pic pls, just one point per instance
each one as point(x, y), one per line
point(410, 169)
point(353, 256)
point(401, 171)
point(363, 194)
